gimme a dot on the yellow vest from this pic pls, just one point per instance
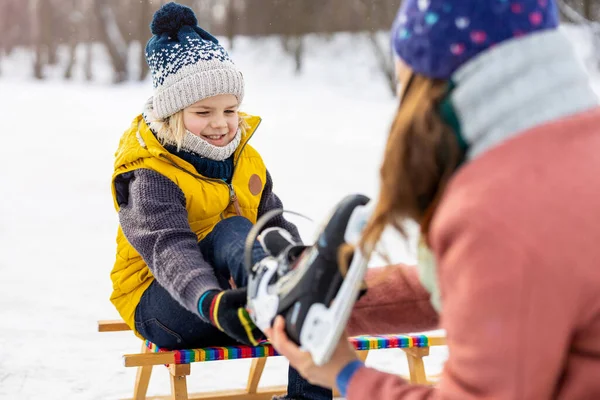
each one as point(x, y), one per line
point(207, 201)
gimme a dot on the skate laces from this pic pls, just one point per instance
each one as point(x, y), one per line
point(256, 230)
point(275, 240)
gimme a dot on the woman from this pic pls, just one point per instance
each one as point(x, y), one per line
point(493, 153)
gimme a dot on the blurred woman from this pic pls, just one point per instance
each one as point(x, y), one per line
point(493, 152)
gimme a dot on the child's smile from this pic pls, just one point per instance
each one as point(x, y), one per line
point(216, 140)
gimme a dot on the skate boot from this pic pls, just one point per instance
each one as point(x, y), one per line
point(312, 294)
point(275, 240)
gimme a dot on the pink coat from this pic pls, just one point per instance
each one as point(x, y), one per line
point(517, 239)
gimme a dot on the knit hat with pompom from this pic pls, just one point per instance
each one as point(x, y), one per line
point(436, 37)
point(186, 62)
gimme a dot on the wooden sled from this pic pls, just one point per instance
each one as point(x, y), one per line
point(178, 363)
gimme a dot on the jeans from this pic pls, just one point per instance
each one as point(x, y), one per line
point(162, 320)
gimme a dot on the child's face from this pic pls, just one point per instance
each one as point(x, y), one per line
point(214, 119)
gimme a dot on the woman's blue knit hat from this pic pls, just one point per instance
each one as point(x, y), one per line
point(186, 62)
point(436, 37)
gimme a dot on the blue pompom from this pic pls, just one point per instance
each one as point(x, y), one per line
point(171, 17)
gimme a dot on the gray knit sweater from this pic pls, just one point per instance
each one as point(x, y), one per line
point(154, 220)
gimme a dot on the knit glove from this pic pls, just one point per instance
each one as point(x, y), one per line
point(226, 309)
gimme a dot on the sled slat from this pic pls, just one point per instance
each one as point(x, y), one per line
point(138, 360)
point(112, 326)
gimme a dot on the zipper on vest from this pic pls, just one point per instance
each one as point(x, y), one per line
point(234, 200)
point(232, 195)
point(235, 161)
point(199, 177)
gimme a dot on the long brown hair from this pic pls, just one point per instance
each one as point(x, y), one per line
point(420, 156)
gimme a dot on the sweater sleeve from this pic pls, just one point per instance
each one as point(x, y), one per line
point(269, 201)
point(488, 286)
point(154, 220)
point(395, 302)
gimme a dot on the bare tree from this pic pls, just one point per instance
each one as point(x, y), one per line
point(569, 11)
point(113, 39)
point(303, 14)
point(571, 15)
point(232, 19)
point(43, 24)
point(587, 9)
point(15, 25)
point(189, 3)
point(75, 19)
point(41, 11)
point(374, 12)
point(296, 19)
point(204, 10)
point(143, 35)
point(87, 35)
point(4, 9)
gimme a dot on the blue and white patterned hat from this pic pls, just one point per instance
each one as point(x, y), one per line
point(187, 63)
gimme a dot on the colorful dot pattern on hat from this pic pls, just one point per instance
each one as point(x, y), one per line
point(435, 37)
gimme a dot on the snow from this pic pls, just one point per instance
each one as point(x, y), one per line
point(322, 138)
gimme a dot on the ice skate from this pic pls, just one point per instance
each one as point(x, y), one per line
point(306, 286)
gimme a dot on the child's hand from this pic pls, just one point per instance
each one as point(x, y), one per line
point(226, 310)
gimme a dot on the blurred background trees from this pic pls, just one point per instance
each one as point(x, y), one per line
point(121, 27)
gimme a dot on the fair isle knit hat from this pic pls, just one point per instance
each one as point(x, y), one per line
point(186, 62)
point(436, 37)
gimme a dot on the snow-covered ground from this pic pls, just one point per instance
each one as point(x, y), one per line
point(322, 137)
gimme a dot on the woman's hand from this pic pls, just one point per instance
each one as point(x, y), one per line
point(302, 361)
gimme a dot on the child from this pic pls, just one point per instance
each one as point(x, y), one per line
point(188, 188)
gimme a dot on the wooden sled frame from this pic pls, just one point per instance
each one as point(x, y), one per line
point(415, 346)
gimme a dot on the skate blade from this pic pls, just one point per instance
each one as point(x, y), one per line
point(323, 326)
